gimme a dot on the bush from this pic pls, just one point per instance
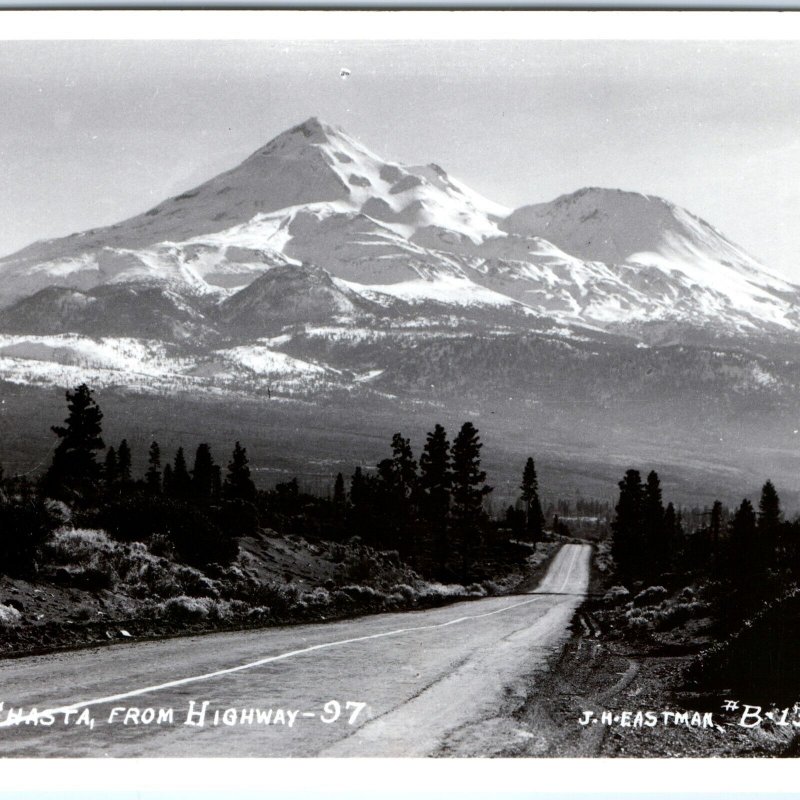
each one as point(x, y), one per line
point(616, 594)
point(650, 596)
point(9, 617)
point(186, 609)
point(92, 553)
point(317, 599)
point(25, 524)
point(195, 609)
point(196, 538)
point(91, 579)
point(198, 541)
point(236, 518)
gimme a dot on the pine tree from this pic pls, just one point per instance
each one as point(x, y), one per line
point(627, 544)
point(357, 488)
point(203, 473)
point(671, 530)
point(398, 485)
point(124, 462)
point(74, 467)
point(167, 483)
point(534, 518)
point(360, 516)
point(769, 523)
point(469, 491)
point(110, 469)
point(715, 534)
point(216, 482)
point(339, 496)
point(181, 482)
point(238, 485)
point(655, 555)
point(153, 475)
point(400, 473)
point(435, 480)
point(743, 540)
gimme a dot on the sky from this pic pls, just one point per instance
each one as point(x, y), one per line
point(93, 132)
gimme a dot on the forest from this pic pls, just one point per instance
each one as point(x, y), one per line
point(430, 511)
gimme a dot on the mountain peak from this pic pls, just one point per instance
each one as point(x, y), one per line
point(311, 131)
point(611, 225)
point(607, 194)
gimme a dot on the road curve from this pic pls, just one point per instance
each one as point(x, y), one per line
point(406, 684)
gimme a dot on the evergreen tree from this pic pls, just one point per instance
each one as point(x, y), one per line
point(180, 480)
point(238, 484)
point(743, 540)
point(769, 523)
point(216, 482)
point(654, 543)
point(124, 462)
point(168, 484)
point(398, 486)
point(469, 491)
point(357, 488)
point(534, 518)
point(74, 467)
point(671, 530)
point(110, 469)
point(203, 473)
point(399, 473)
point(715, 533)
point(361, 516)
point(627, 544)
point(435, 480)
point(339, 496)
point(153, 475)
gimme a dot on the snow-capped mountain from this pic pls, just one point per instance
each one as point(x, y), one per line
point(312, 194)
point(317, 269)
point(616, 260)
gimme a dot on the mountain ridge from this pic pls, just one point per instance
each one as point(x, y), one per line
point(314, 195)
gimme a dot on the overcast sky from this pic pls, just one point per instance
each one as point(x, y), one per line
point(93, 132)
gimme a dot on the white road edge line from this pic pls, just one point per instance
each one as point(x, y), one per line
point(262, 661)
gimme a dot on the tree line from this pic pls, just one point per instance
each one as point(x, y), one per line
point(431, 510)
point(750, 553)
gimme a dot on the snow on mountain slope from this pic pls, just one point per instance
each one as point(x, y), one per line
point(309, 164)
point(449, 291)
point(267, 362)
point(346, 234)
point(698, 274)
point(150, 366)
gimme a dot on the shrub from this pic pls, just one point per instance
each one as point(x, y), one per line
point(405, 592)
point(316, 599)
point(236, 518)
point(616, 594)
point(140, 517)
point(198, 541)
point(650, 596)
point(91, 579)
point(9, 617)
point(186, 609)
point(25, 524)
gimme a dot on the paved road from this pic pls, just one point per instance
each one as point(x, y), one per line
point(423, 678)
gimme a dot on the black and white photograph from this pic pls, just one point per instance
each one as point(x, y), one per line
point(402, 393)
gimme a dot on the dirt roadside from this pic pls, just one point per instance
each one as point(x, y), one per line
point(599, 670)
